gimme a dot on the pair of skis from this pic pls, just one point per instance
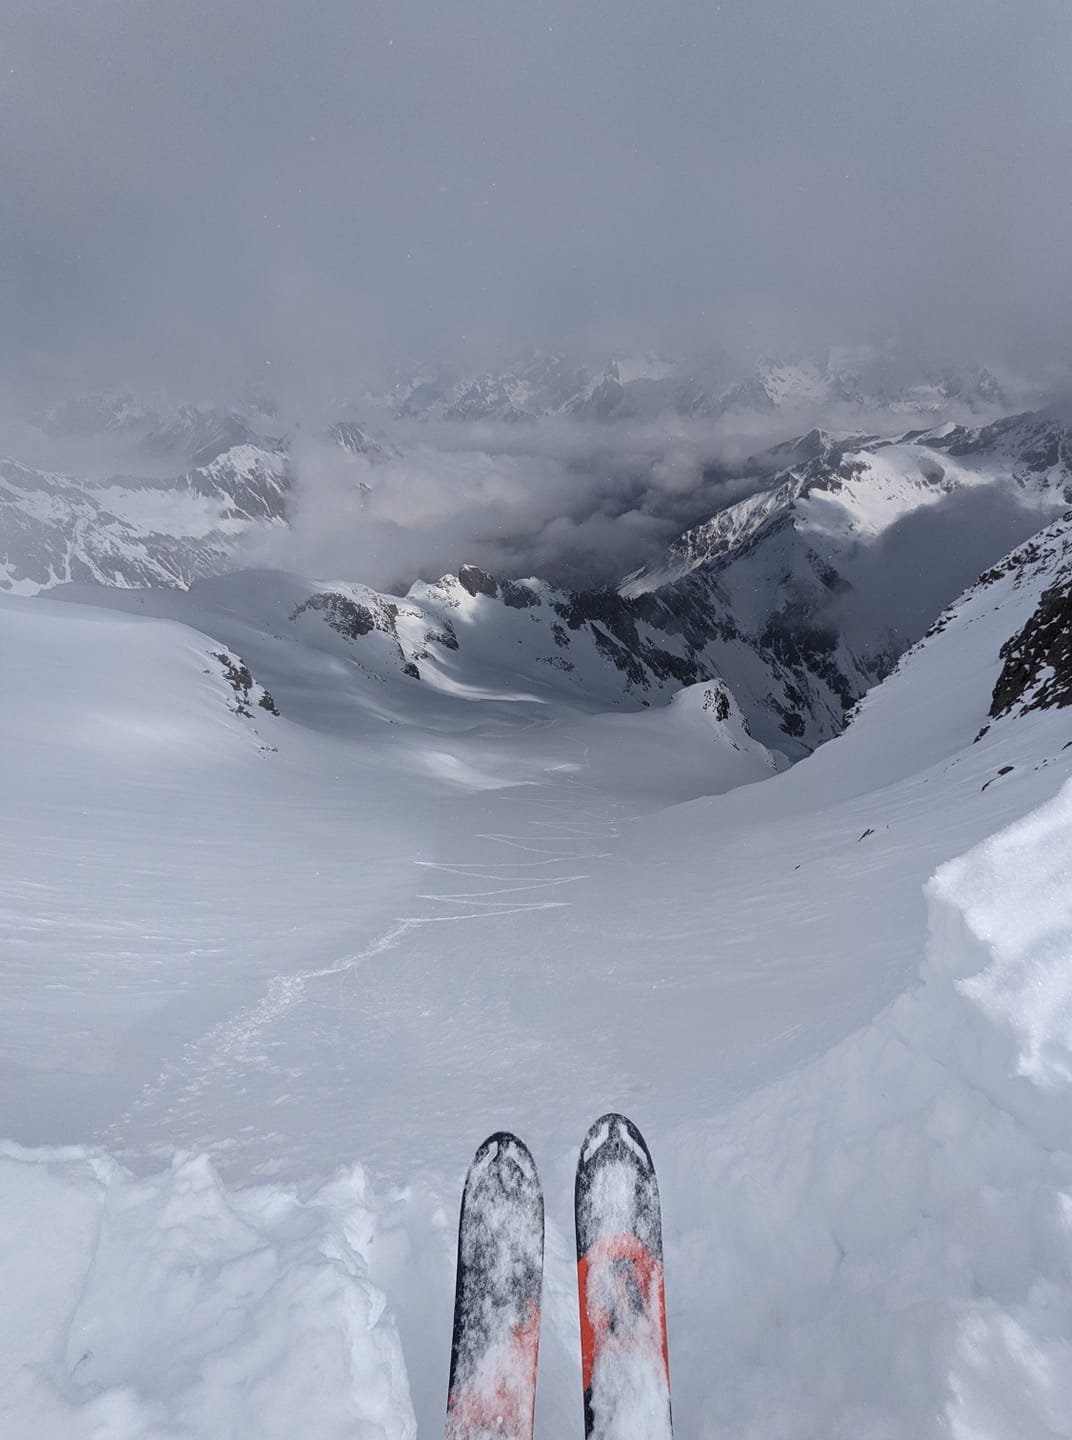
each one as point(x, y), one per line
point(624, 1364)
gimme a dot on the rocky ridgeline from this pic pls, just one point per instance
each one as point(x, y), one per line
point(799, 596)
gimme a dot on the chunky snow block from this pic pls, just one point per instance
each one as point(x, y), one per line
point(492, 1389)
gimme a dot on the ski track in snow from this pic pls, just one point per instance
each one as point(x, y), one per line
point(233, 1045)
point(568, 832)
point(852, 1061)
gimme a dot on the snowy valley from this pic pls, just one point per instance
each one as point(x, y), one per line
point(307, 886)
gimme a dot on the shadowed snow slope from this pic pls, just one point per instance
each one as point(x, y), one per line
point(395, 917)
point(804, 594)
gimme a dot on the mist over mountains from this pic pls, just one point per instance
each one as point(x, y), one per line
point(535, 582)
point(201, 195)
point(576, 470)
point(684, 533)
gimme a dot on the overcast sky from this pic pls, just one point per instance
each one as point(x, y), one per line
point(202, 190)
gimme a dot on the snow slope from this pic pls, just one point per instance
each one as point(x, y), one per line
point(800, 596)
point(369, 930)
point(804, 594)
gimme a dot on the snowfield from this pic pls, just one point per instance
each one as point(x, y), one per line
point(271, 977)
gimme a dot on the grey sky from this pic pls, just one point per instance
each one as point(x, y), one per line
point(190, 189)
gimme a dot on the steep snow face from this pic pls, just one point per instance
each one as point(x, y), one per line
point(850, 489)
point(831, 571)
point(131, 531)
point(341, 657)
point(993, 655)
point(798, 598)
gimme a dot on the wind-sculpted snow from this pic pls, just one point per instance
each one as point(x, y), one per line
point(167, 1304)
point(881, 1244)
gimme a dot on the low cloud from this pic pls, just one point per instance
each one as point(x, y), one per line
point(578, 503)
point(205, 194)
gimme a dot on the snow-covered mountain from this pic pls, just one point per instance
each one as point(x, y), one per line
point(866, 379)
point(159, 428)
point(357, 441)
point(129, 530)
point(870, 378)
point(135, 529)
point(829, 571)
point(285, 931)
point(466, 638)
point(798, 597)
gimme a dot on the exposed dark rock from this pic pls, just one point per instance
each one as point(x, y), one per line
point(1005, 770)
point(239, 677)
point(478, 582)
point(620, 657)
point(718, 701)
point(1028, 554)
point(1037, 673)
point(829, 577)
point(801, 645)
point(447, 636)
point(352, 620)
point(348, 617)
point(518, 596)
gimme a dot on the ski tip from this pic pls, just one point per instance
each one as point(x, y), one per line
point(504, 1148)
point(615, 1133)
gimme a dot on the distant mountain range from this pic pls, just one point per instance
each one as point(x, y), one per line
point(230, 481)
point(797, 598)
point(128, 530)
point(643, 387)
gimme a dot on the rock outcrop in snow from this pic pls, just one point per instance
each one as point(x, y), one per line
point(800, 596)
point(805, 594)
